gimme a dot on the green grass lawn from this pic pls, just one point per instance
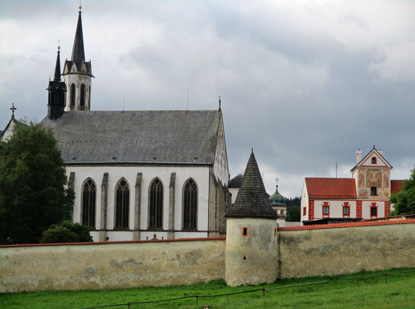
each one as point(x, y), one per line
point(370, 293)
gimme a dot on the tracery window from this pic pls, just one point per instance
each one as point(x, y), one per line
point(82, 103)
point(88, 203)
point(156, 204)
point(122, 204)
point(190, 205)
point(72, 95)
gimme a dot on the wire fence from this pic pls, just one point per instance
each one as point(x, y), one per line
point(263, 290)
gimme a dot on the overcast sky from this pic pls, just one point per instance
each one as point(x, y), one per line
point(303, 83)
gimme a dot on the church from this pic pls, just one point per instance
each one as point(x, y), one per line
point(138, 175)
point(364, 196)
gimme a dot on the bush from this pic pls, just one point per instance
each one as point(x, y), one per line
point(66, 232)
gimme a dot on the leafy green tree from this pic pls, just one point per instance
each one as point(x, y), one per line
point(404, 201)
point(33, 193)
point(293, 213)
point(66, 231)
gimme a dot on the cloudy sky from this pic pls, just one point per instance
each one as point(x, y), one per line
point(303, 83)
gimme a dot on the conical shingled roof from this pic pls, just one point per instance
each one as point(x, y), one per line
point(252, 200)
point(78, 54)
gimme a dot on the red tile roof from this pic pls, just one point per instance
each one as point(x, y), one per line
point(396, 186)
point(331, 188)
point(343, 225)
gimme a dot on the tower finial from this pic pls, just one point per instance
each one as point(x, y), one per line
point(80, 6)
point(13, 109)
point(276, 180)
point(220, 103)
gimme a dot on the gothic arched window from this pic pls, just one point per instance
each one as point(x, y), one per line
point(72, 95)
point(156, 204)
point(122, 204)
point(88, 203)
point(190, 205)
point(82, 103)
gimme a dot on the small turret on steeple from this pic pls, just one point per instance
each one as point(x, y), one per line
point(57, 89)
point(77, 74)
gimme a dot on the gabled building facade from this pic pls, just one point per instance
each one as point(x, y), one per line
point(364, 196)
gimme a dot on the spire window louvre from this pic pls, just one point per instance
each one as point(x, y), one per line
point(72, 95)
point(190, 205)
point(156, 204)
point(82, 103)
point(88, 203)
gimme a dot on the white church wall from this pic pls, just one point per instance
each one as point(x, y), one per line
point(220, 165)
point(200, 174)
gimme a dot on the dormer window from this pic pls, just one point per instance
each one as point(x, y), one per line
point(374, 161)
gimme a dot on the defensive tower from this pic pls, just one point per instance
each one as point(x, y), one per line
point(251, 233)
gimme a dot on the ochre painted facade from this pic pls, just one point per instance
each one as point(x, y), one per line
point(301, 252)
point(111, 265)
point(333, 251)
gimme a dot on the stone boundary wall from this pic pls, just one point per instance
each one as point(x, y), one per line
point(345, 248)
point(110, 265)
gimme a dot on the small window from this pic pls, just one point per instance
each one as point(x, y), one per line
point(72, 95)
point(346, 210)
point(304, 211)
point(373, 191)
point(245, 233)
point(82, 103)
point(373, 211)
point(374, 160)
point(326, 209)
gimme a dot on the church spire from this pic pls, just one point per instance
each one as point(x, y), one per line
point(78, 53)
point(57, 76)
point(77, 74)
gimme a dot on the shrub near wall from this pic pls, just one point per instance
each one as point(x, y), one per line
point(110, 265)
point(346, 248)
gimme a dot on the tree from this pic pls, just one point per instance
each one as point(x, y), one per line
point(33, 193)
point(66, 231)
point(404, 201)
point(293, 213)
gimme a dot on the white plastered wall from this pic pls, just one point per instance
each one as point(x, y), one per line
point(200, 174)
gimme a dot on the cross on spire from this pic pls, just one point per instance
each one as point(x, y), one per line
point(220, 103)
point(13, 109)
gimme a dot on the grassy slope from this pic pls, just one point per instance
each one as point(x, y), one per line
point(372, 292)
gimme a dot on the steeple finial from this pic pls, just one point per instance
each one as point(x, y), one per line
point(80, 6)
point(13, 109)
point(220, 103)
point(276, 180)
point(57, 76)
point(78, 53)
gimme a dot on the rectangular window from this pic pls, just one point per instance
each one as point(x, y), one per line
point(326, 209)
point(245, 233)
point(373, 191)
point(346, 211)
point(304, 211)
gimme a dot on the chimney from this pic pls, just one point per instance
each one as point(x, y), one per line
point(358, 155)
point(381, 152)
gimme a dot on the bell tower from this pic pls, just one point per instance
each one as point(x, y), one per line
point(77, 74)
point(56, 89)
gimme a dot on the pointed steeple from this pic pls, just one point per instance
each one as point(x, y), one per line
point(77, 74)
point(252, 200)
point(57, 76)
point(78, 53)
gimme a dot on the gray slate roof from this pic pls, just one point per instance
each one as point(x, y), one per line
point(252, 200)
point(172, 137)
